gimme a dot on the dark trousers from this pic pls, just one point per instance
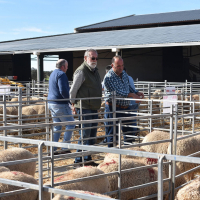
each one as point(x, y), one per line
point(87, 133)
point(109, 130)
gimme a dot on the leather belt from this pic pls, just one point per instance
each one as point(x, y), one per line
point(118, 106)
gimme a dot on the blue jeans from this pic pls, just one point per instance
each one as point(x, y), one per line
point(87, 133)
point(57, 112)
point(109, 132)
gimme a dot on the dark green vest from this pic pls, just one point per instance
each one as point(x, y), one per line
point(91, 87)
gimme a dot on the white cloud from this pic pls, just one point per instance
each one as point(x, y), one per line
point(30, 29)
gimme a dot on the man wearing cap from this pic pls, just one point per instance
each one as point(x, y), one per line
point(87, 84)
point(58, 105)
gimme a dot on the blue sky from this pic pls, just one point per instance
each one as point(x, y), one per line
point(25, 18)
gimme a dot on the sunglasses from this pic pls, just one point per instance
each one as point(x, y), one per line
point(93, 58)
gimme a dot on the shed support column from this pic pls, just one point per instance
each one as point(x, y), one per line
point(39, 66)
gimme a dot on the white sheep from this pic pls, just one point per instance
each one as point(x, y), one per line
point(162, 148)
point(156, 136)
point(4, 169)
point(17, 176)
point(61, 197)
point(18, 154)
point(98, 185)
point(110, 156)
point(186, 147)
point(133, 178)
point(190, 191)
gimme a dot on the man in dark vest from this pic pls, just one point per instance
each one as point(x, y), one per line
point(87, 84)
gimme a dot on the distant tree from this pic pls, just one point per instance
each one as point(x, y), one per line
point(33, 73)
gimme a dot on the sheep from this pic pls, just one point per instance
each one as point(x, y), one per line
point(133, 178)
point(25, 99)
point(4, 169)
point(162, 148)
point(87, 185)
point(157, 94)
point(110, 156)
point(18, 154)
point(156, 136)
point(17, 176)
point(186, 147)
point(40, 110)
point(28, 113)
point(189, 191)
point(61, 197)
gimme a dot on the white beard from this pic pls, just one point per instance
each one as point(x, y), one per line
point(92, 64)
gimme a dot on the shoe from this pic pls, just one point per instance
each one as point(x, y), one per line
point(60, 152)
point(93, 164)
point(103, 142)
point(64, 152)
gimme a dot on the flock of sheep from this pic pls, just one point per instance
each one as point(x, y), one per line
point(142, 174)
point(129, 178)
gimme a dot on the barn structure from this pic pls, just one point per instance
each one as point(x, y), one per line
point(155, 47)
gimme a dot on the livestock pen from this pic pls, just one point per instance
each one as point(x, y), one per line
point(36, 137)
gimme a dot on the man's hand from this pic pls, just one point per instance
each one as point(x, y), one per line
point(140, 94)
point(73, 109)
point(134, 96)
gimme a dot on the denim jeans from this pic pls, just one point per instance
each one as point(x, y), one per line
point(109, 130)
point(87, 133)
point(57, 112)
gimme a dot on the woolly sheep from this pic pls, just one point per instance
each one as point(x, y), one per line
point(25, 99)
point(190, 191)
point(40, 110)
point(110, 156)
point(98, 185)
point(157, 94)
point(17, 176)
point(186, 147)
point(18, 154)
point(61, 197)
point(4, 169)
point(28, 113)
point(130, 179)
point(162, 148)
point(156, 136)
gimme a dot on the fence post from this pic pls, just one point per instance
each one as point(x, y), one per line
point(119, 165)
point(160, 177)
point(171, 151)
point(40, 145)
point(5, 120)
point(20, 112)
point(114, 116)
point(81, 119)
point(174, 151)
point(52, 161)
point(151, 112)
point(28, 92)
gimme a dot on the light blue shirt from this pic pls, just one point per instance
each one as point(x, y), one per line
point(131, 83)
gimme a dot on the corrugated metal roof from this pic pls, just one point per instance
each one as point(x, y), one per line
point(131, 38)
point(158, 18)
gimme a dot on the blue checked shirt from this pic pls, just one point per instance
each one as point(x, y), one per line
point(112, 82)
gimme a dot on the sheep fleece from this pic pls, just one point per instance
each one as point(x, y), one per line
point(98, 185)
point(61, 197)
point(18, 154)
point(17, 176)
point(133, 178)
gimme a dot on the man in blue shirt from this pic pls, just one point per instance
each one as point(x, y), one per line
point(60, 110)
point(117, 80)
